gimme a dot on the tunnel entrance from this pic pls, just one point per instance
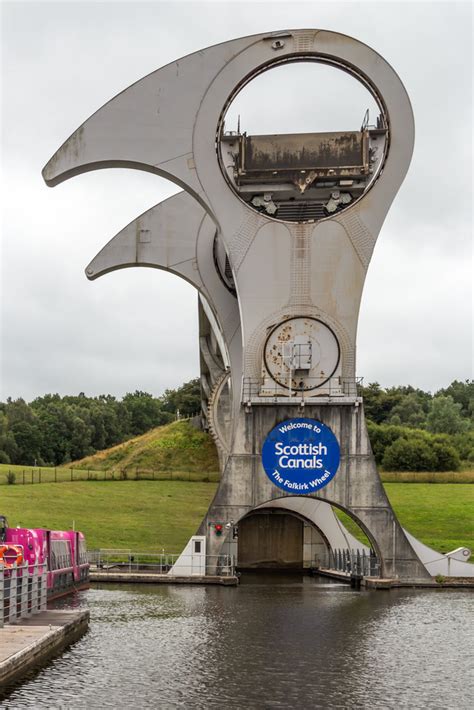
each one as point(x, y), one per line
point(273, 539)
point(269, 541)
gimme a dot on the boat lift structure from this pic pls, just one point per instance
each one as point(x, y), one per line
point(276, 232)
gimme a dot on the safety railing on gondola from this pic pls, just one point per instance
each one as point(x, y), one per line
point(23, 591)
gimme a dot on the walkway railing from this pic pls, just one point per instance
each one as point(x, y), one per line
point(23, 591)
point(116, 561)
point(311, 387)
point(353, 562)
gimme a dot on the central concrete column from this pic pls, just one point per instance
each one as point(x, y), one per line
point(356, 487)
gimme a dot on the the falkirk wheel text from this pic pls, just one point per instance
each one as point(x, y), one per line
point(276, 233)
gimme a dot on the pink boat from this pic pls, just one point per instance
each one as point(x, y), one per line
point(64, 552)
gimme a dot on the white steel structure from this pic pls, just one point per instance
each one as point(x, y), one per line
point(276, 233)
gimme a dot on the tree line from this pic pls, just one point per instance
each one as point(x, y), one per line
point(409, 429)
point(413, 430)
point(54, 430)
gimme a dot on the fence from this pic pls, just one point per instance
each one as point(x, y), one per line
point(354, 562)
point(113, 561)
point(23, 591)
point(32, 476)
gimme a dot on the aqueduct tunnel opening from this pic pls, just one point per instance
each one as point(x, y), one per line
point(278, 540)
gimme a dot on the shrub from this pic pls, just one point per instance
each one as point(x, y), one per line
point(11, 478)
point(4, 457)
point(413, 455)
point(464, 444)
point(447, 458)
point(444, 451)
point(381, 436)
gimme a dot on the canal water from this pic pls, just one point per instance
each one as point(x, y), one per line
point(273, 642)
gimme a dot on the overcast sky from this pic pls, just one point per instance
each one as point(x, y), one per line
point(137, 328)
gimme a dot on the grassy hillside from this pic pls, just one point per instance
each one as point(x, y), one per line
point(174, 447)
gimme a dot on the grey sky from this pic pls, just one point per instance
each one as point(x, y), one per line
point(137, 328)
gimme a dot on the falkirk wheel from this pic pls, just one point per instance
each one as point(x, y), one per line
point(276, 233)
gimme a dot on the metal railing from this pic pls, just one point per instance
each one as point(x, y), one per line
point(355, 563)
point(23, 591)
point(128, 561)
point(307, 388)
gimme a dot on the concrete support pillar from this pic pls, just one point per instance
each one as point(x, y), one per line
point(356, 488)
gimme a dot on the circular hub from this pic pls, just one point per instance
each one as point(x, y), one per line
point(301, 353)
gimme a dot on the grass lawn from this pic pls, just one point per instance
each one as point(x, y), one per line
point(144, 516)
point(441, 516)
point(150, 515)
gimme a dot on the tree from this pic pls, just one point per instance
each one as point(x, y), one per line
point(463, 394)
point(8, 447)
point(376, 404)
point(409, 411)
point(186, 399)
point(145, 412)
point(28, 439)
point(445, 416)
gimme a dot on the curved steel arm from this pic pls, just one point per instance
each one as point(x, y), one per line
point(149, 126)
point(177, 236)
point(164, 237)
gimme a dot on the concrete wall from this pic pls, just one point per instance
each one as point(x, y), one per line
point(356, 488)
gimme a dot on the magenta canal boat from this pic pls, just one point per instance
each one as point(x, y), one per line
point(63, 551)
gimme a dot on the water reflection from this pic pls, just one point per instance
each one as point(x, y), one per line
point(274, 642)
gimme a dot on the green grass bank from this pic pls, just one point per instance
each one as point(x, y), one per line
point(145, 516)
point(151, 515)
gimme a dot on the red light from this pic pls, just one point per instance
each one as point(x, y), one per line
point(218, 529)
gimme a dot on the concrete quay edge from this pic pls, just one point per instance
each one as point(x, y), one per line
point(64, 629)
point(378, 583)
point(387, 583)
point(146, 578)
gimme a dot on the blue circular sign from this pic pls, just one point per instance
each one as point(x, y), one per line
point(301, 455)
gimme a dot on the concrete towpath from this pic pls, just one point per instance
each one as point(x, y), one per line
point(34, 641)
